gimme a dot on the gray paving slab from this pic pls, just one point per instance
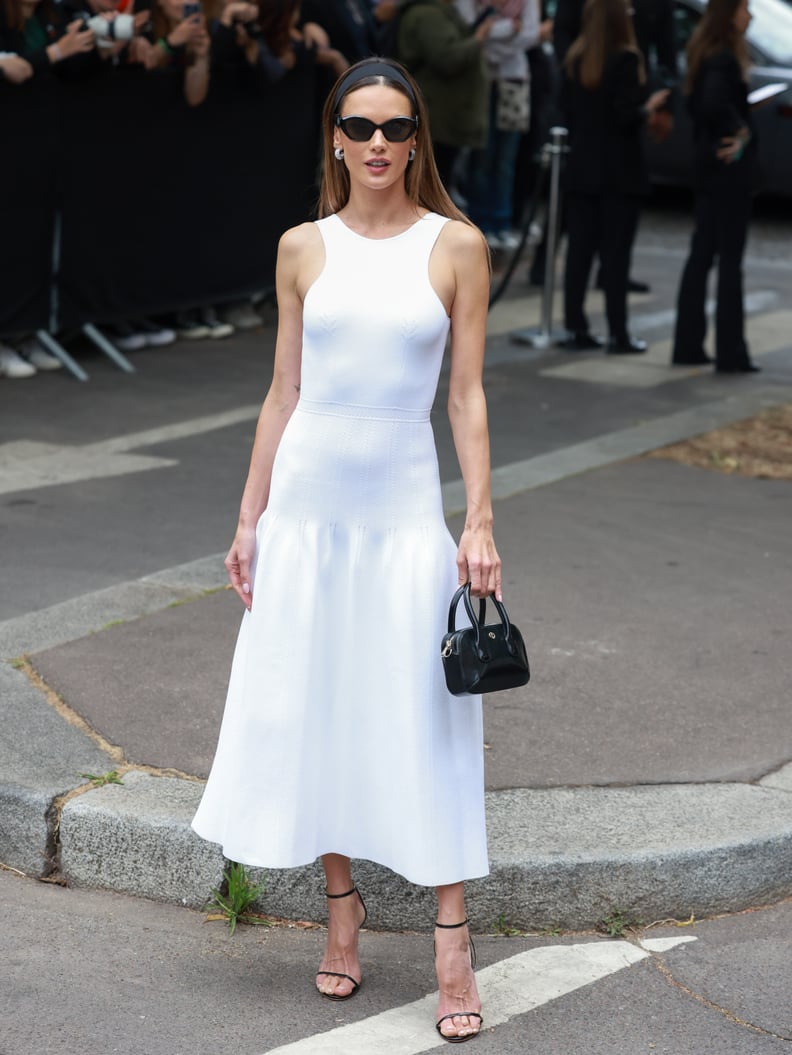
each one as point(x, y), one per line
point(654, 599)
point(41, 758)
point(155, 685)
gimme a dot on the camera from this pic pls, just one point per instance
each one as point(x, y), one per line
point(190, 9)
point(106, 30)
point(253, 29)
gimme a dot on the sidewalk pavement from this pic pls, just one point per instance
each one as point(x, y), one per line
point(646, 769)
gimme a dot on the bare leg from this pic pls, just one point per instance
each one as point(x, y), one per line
point(455, 978)
point(345, 917)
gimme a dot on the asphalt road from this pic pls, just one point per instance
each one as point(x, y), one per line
point(92, 972)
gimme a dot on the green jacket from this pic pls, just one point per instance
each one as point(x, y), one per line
point(437, 47)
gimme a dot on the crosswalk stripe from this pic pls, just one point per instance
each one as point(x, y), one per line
point(508, 988)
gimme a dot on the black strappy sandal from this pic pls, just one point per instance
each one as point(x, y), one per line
point(459, 1014)
point(339, 974)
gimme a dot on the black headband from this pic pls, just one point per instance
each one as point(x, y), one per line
point(373, 69)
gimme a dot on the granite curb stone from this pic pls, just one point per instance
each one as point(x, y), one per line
point(572, 855)
point(41, 758)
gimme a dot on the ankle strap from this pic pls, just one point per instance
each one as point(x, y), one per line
point(352, 891)
point(451, 926)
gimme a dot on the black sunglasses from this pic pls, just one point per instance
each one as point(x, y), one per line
point(361, 129)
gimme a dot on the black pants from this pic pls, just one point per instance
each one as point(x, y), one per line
point(606, 223)
point(721, 231)
point(445, 157)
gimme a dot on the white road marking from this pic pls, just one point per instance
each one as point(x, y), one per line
point(27, 466)
point(664, 944)
point(508, 988)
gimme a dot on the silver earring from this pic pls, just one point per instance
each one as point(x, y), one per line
point(339, 154)
point(411, 155)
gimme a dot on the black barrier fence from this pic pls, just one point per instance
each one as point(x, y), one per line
point(117, 200)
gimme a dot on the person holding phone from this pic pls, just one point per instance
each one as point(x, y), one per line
point(342, 516)
point(181, 40)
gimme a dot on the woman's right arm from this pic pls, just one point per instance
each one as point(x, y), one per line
point(295, 246)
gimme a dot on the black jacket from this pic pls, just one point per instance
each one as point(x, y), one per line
point(606, 152)
point(718, 105)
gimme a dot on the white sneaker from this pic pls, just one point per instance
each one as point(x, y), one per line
point(508, 240)
point(38, 356)
point(242, 316)
point(215, 327)
point(190, 327)
point(155, 336)
point(127, 337)
point(13, 365)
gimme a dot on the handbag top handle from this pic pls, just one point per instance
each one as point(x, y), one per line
point(463, 593)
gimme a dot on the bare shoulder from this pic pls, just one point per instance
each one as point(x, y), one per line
point(298, 240)
point(459, 237)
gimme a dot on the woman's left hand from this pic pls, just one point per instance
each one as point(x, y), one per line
point(731, 147)
point(478, 563)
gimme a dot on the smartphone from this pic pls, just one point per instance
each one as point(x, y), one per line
point(484, 14)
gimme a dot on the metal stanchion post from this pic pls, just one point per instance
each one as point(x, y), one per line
point(545, 337)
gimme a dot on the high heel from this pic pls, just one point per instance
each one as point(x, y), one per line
point(459, 1014)
point(339, 974)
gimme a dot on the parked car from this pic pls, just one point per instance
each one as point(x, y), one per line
point(769, 40)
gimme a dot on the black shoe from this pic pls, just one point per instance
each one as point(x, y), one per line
point(634, 285)
point(701, 360)
point(626, 346)
point(581, 342)
point(741, 368)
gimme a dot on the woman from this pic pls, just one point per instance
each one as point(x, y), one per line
point(726, 171)
point(341, 521)
point(182, 41)
point(490, 185)
point(34, 31)
point(607, 104)
point(446, 56)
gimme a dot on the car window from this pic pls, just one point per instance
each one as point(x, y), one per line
point(685, 21)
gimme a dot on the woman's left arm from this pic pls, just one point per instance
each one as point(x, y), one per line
point(477, 558)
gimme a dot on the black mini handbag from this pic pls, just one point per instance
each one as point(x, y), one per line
point(482, 657)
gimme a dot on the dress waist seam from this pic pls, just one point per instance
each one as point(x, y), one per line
point(362, 412)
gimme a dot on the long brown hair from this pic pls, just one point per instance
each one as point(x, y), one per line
point(715, 32)
point(276, 18)
point(14, 18)
point(422, 181)
point(606, 28)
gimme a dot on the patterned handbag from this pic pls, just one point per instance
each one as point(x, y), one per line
point(482, 657)
point(513, 106)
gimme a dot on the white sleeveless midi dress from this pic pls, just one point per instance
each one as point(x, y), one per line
point(339, 735)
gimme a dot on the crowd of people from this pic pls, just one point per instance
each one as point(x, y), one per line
point(495, 76)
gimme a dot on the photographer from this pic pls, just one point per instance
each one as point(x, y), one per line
point(38, 35)
point(238, 43)
point(181, 41)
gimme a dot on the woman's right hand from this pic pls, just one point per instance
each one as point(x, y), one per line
point(239, 562)
point(16, 69)
point(482, 30)
point(77, 39)
point(657, 100)
point(239, 11)
point(188, 32)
